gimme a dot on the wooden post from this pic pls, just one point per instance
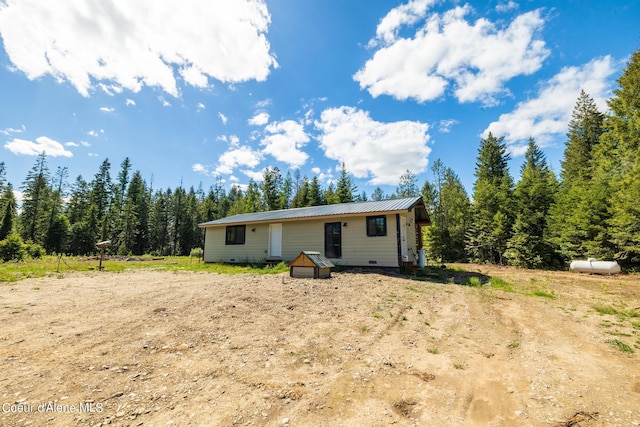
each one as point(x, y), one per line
point(102, 246)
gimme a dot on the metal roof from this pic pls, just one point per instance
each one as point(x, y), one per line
point(392, 205)
point(318, 259)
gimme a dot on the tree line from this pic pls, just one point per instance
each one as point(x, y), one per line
point(592, 209)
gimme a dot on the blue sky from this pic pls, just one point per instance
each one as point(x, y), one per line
point(201, 89)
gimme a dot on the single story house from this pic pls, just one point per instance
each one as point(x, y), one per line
point(380, 233)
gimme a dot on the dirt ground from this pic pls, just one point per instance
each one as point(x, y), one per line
point(145, 348)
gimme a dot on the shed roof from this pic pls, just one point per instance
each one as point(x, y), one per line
point(316, 258)
point(391, 205)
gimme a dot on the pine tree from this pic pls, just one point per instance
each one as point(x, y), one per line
point(58, 226)
point(35, 193)
point(8, 212)
point(378, 195)
point(492, 216)
point(622, 139)
point(271, 185)
point(136, 218)
point(100, 196)
point(448, 206)
point(345, 187)
point(253, 201)
point(285, 193)
point(407, 187)
point(534, 195)
point(314, 193)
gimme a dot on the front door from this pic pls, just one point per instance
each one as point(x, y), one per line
point(404, 250)
point(275, 240)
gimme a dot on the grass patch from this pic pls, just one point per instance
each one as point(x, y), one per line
point(414, 289)
point(636, 325)
point(620, 346)
point(473, 281)
point(50, 265)
point(433, 351)
point(459, 366)
point(605, 309)
point(498, 283)
point(544, 294)
point(621, 313)
point(514, 345)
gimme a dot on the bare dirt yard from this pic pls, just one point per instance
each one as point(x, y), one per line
point(150, 348)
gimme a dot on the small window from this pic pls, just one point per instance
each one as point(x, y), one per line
point(235, 235)
point(376, 226)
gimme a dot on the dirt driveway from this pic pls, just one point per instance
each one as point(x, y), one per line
point(145, 348)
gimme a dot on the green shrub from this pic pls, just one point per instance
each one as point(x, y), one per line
point(12, 248)
point(34, 250)
point(196, 253)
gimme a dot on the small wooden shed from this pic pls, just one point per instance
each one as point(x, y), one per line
point(311, 264)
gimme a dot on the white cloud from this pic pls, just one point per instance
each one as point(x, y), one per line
point(130, 102)
point(95, 133)
point(506, 7)
point(92, 154)
point(223, 118)
point(371, 149)
point(259, 119)
point(71, 144)
point(123, 44)
point(284, 142)
point(85, 144)
point(199, 168)
point(164, 101)
point(406, 14)
point(546, 116)
point(11, 131)
point(257, 176)
point(474, 59)
point(42, 143)
point(107, 109)
point(445, 126)
point(237, 156)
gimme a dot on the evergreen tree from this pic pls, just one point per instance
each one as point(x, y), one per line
point(345, 187)
point(253, 201)
point(314, 193)
point(301, 198)
point(35, 193)
point(622, 140)
point(492, 217)
point(534, 194)
point(577, 220)
point(271, 184)
point(448, 206)
point(330, 195)
point(58, 226)
point(136, 218)
point(285, 193)
point(378, 195)
point(8, 212)
point(3, 176)
point(407, 187)
point(100, 196)
point(159, 223)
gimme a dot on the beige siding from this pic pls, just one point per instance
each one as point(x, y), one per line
point(412, 236)
point(254, 250)
point(308, 235)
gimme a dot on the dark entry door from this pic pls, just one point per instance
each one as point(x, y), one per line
point(333, 240)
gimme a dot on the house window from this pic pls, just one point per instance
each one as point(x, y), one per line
point(376, 226)
point(333, 240)
point(235, 235)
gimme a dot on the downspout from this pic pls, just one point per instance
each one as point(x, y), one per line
point(398, 241)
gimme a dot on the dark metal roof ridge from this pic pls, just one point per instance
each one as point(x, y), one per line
point(388, 205)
